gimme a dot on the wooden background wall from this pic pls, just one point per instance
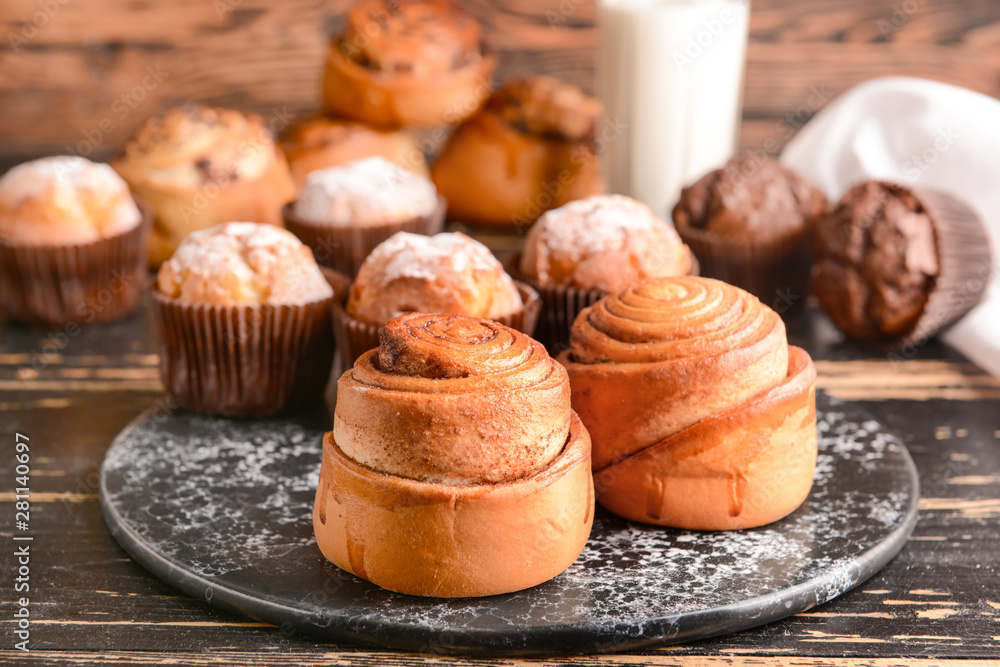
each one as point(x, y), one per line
point(85, 73)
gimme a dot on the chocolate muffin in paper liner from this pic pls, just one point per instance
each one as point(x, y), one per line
point(242, 316)
point(895, 265)
point(750, 224)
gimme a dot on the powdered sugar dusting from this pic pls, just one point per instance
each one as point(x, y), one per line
point(368, 192)
point(406, 255)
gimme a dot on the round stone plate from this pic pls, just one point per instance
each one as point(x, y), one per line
point(222, 510)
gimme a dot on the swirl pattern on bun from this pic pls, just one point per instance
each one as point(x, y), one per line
point(696, 405)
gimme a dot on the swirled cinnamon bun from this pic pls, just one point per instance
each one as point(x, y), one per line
point(530, 149)
point(456, 466)
point(702, 416)
point(408, 62)
point(201, 166)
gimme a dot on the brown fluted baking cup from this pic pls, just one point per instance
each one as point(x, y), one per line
point(344, 249)
point(83, 283)
point(775, 271)
point(966, 264)
point(560, 304)
point(243, 361)
point(355, 337)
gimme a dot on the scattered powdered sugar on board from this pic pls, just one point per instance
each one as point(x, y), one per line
point(231, 500)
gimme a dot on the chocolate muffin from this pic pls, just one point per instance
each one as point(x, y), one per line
point(895, 265)
point(750, 224)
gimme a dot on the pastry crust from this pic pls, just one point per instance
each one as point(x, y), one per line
point(529, 150)
point(415, 62)
point(456, 466)
point(200, 166)
point(689, 388)
point(323, 142)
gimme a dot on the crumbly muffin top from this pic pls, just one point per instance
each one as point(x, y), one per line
point(602, 242)
point(418, 37)
point(751, 196)
point(64, 200)
point(368, 192)
point(443, 273)
point(243, 264)
point(544, 106)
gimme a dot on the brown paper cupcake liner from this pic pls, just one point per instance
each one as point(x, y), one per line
point(84, 283)
point(243, 361)
point(966, 265)
point(775, 271)
point(344, 249)
point(355, 337)
point(561, 304)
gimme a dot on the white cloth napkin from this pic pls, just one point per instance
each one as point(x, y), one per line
point(921, 133)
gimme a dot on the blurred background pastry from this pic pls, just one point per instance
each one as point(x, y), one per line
point(73, 242)
point(407, 62)
point(530, 149)
point(321, 142)
point(446, 273)
point(895, 265)
point(201, 166)
point(343, 212)
point(750, 224)
point(575, 254)
point(224, 303)
point(456, 460)
point(702, 416)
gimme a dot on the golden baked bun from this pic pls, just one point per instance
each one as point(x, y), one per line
point(702, 416)
point(530, 149)
point(445, 273)
point(455, 466)
point(323, 142)
point(603, 242)
point(200, 166)
point(242, 264)
point(64, 200)
point(407, 62)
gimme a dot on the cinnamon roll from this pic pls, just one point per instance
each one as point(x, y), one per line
point(530, 149)
point(702, 416)
point(407, 62)
point(456, 466)
point(200, 166)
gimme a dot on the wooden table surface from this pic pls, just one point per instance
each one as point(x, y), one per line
point(92, 604)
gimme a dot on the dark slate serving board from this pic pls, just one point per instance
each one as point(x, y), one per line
point(222, 509)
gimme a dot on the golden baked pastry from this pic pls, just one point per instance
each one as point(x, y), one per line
point(73, 242)
point(200, 166)
point(407, 62)
point(322, 142)
point(702, 416)
point(344, 212)
point(243, 322)
point(455, 466)
point(446, 273)
point(602, 242)
point(242, 263)
point(530, 149)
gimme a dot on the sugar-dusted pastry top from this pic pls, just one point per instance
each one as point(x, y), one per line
point(545, 106)
point(368, 192)
point(64, 200)
point(446, 273)
point(876, 260)
point(602, 242)
point(418, 37)
point(192, 145)
point(749, 197)
point(243, 263)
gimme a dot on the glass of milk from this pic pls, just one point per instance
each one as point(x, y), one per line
point(670, 76)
